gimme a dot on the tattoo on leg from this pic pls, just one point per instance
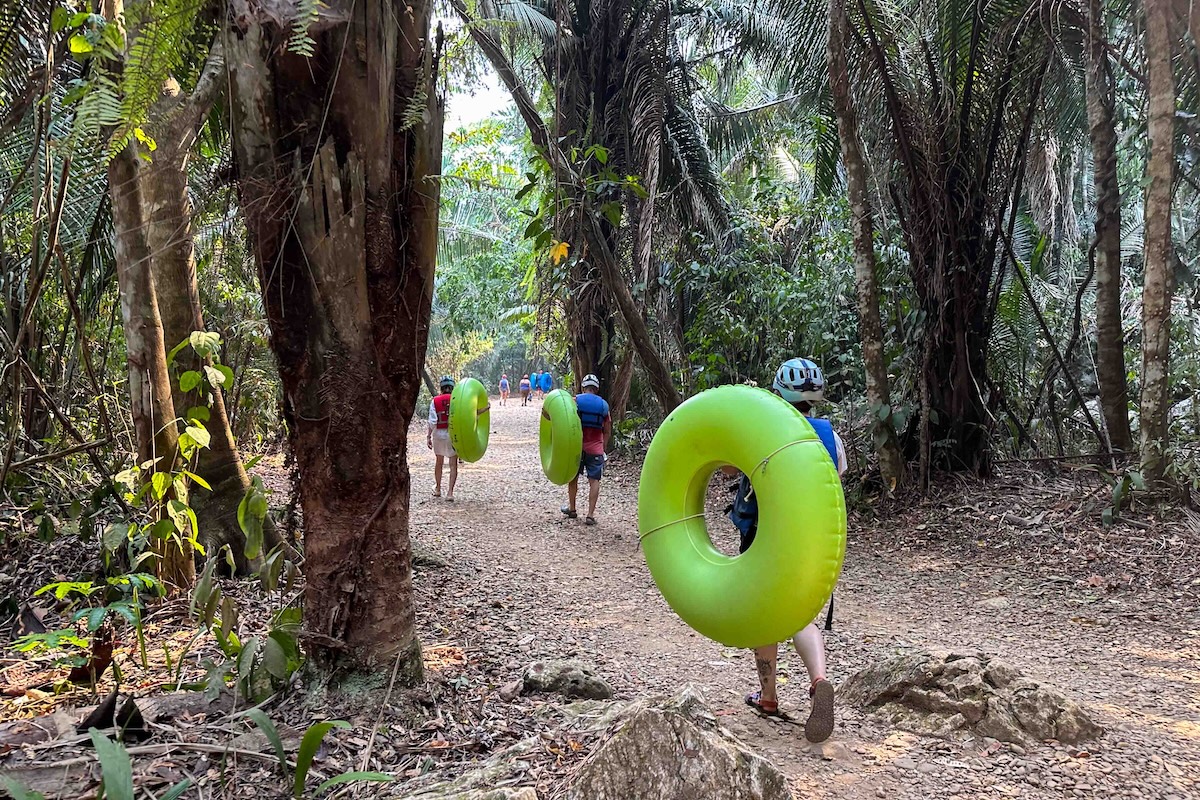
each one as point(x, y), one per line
point(764, 668)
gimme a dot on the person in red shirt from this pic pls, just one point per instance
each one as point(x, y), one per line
point(438, 438)
point(597, 428)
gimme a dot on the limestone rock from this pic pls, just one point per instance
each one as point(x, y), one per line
point(568, 678)
point(675, 750)
point(956, 695)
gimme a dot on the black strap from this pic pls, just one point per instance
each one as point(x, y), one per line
point(829, 615)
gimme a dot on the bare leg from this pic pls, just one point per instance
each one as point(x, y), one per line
point(811, 646)
point(764, 662)
point(572, 492)
point(593, 496)
point(453, 476)
point(437, 477)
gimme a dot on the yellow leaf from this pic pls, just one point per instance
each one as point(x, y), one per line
point(558, 252)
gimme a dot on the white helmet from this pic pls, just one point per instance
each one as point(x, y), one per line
point(799, 379)
point(591, 380)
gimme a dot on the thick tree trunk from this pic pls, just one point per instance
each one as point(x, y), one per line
point(622, 385)
point(176, 121)
point(866, 283)
point(338, 155)
point(1110, 334)
point(151, 406)
point(1160, 263)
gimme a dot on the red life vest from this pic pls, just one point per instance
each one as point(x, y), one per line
point(441, 404)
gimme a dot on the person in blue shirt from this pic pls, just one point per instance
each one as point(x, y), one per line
point(546, 383)
point(799, 381)
point(504, 390)
point(596, 421)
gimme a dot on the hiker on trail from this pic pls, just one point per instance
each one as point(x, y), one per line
point(537, 384)
point(503, 390)
point(597, 428)
point(438, 438)
point(524, 386)
point(546, 383)
point(799, 381)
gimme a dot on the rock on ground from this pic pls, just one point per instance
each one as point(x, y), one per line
point(956, 695)
point(568, 678)
point(675, 750)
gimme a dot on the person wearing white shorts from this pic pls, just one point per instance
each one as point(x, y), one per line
point(438, 438)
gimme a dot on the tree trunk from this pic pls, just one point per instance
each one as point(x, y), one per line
point(151, 406)
point(866, 283)
point(622, 385)
point(1110, 334)
point(176, 121)
point(338, 155)
point(1159, 279)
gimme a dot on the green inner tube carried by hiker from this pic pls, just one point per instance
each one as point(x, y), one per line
point(560, 437)
point(782, 581)
point(469, 428)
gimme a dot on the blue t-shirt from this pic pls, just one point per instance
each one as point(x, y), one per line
point(504, 384)
point(744, 514)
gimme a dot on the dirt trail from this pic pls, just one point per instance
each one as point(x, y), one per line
point(528, 583)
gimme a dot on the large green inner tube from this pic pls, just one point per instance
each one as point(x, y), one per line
point(781, 583)
point(560, 437)
point(468, 428)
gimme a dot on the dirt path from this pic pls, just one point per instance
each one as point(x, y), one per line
point(529, 584)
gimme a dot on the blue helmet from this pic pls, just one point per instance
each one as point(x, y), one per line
point(799, 379)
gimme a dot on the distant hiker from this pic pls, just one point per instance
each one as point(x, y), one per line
point(537, 384)
point(546, 383)
point(524, 386)
point(503, 390)
point(799, 381)
point(597, 428)
point(438, 438)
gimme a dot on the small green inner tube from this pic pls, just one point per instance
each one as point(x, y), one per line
point(782, 582)
point(468, 428)
point(560, 437)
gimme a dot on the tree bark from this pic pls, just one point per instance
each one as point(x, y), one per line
point(1110, 334)
point(151, 405)
point(1158, 284)
point(338, 156)
point(866, 283)
point(175, 122)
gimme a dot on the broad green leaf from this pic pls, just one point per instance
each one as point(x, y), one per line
point(205, 343)
point(199, 434)
point(80, 45)
point(215, 377)
point(59, 19)
point(190, 380)
point(116, 770)
point(161, 482)
point(196, 479)
point(308, 749)
point(200, 413)
point(352, 777)
point(227, 373)
point(17, 791)
point(275, 660)
point(269, 730)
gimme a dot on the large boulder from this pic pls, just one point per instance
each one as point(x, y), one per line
point(568, 678)
point(955, 696)
point(674, 750)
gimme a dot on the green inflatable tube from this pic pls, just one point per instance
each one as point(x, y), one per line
point(560, 437)
point(781, 583)
point(468, 428)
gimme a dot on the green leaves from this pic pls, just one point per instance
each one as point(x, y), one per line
point(308, 749)
point(116, 769)
point(252, 511)
point(259, 718)
point(190, 380)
